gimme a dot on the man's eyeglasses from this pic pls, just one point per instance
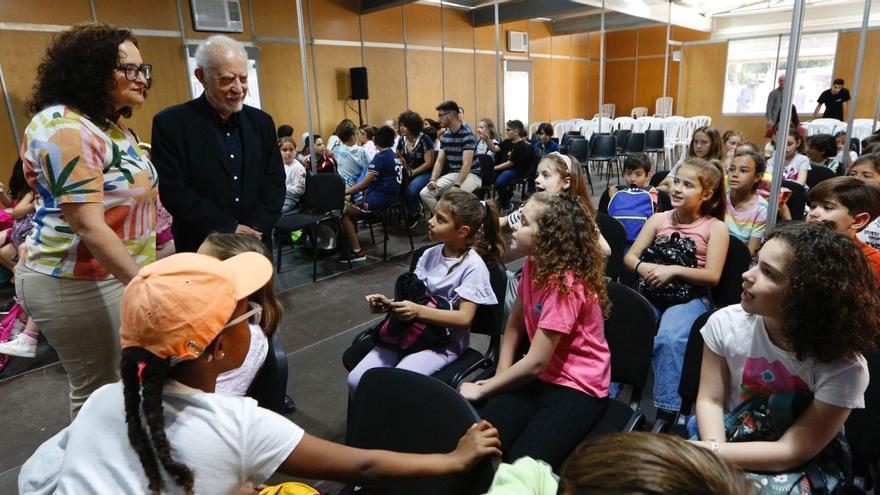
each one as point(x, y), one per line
point(443, 114)
point(131, 71)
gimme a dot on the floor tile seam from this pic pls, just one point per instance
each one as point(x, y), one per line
point(331, 337)
point(334, 275)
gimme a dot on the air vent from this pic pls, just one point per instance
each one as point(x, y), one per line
point(517, 41)
point(217, 15)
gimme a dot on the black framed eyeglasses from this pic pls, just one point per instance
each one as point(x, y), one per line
point(131, 71)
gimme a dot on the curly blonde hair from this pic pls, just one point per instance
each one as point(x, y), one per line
point(567, 242)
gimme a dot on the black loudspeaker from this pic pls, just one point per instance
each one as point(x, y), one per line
point(359, 89)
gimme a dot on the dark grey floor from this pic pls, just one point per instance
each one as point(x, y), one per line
point(320, 321)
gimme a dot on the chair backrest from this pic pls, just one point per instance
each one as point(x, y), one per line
point(689, 384)
point(608, 109)
point(578, 149)
point(615, 234)
point(487, 170)
point(729, 288)
point(603, 148)
point(654, 139)
point(623, 123)
point(399, 410)
point(817, 174)
point(487, 319)
point(798, 199)
point(324, 192)
point(270, 385)
point(863, 425)
point(606, 126)
point(635, 143)
point(657, 177)
point(638, 112)
point(663, 106)
point(642, 124)
point(630, 331)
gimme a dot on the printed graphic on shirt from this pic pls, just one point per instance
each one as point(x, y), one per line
point(761, 377)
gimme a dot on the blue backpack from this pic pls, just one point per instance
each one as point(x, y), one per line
point(632, 207)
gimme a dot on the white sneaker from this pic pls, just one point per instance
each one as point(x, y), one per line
point(21, 345)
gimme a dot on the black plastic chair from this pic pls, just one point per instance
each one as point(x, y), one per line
point(604, 150)
point(487, 321)
point(633, 143)
point(323, 202)
point(818, 173)
point(657, 177)
point(620, 135)
point(578, 149)
point(689, 384)
point(403, 411)
point(729, 288)
point(613, 232)
point(798, 199)
point(863, 426)
point(532, 172)
point(384, 218)
point(655, 144)
point(568, 135)
point(487, 176)
point(269, 387)
point(630, 333)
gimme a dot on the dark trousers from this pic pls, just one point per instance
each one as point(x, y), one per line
point(542, 420)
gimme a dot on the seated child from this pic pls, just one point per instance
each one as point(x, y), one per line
point(381, 184)
point(840, 138)
point(809, 311)
point(847, 204)
point(821, 150)
point(326, 162)
point(796, 165)
point(867, 170)
point(454, 270)
point(560, 314)
point(163, 429)
point(295, 175)
point(746, 211)
point(262, 325)
point(637, 173)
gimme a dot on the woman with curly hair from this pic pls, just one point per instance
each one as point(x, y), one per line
point(95, 219)
point(545, 403)
point(800, 327)
point(416, 150)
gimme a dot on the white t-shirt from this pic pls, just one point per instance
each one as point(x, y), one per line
point(870, 235)
point(757, 366)
point(225, 441)
point(238, 381)
point(791, 169)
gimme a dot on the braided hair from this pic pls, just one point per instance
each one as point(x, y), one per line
point(144, 372)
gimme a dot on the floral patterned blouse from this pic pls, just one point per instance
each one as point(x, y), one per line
point(68, 159)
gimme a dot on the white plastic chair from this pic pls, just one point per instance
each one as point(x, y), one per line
point(676, 137)
point(663, 106)
point(623, 123)
point(606, 124)
point(826, 126)
point(608, 109)
point(862, 128)
point(533, 128)
point(642, 124)
point(639, 112)
point(586, 128)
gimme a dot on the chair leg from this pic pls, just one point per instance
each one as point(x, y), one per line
point(384, 235)
point(370, 225)
point(280, 244)
point(313, 238)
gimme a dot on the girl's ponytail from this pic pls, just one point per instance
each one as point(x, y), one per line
point(488, 242)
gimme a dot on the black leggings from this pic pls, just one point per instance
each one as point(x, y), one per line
point(542, 420)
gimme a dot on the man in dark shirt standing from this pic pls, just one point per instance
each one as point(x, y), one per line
point(218, 160)
point(836, 101)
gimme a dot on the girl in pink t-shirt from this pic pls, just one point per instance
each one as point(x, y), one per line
point(545, 403)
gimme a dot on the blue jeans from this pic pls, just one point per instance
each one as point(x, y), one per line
point(503, 184)
point(415, 186)
point(669, 346)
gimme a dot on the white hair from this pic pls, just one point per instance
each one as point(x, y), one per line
point(209, 51)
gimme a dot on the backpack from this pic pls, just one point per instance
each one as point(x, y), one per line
point(670, 250)
point(412, 336)
point(632, 207)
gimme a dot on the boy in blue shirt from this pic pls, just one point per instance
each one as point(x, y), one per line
point(381, 184)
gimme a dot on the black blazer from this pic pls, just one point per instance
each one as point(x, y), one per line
point(195, 183)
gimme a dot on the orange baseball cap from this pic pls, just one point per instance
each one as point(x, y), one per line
point(175, 307)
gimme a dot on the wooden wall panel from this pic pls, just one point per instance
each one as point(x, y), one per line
point(652, 40)
point(200, 35)
point(283, 93)
point(703, 69)
point(278, 18)
point(845, 67)
point(422, 24)
point(387, 81)
point(579, 80)
point(458, 82)
point(752, 127)
point(561, 45)
point(539, 109)
point(540, 39)
point(560, 89)
point(457, 30)
point(170, 82)
point(335, 19)
point(672, 83)
point(619, 84)
point(8, 148)
point(649, 82)
point(151, 14)
point(485, 90)
point(45, 11)
point(594, 45)
point(620, 44)
point(580, 44)
point(23, 50)
point(425, 88)
point(484, 38)
point(384, 26)
point(684, 34)
point(333, 84)
point(593, 89)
